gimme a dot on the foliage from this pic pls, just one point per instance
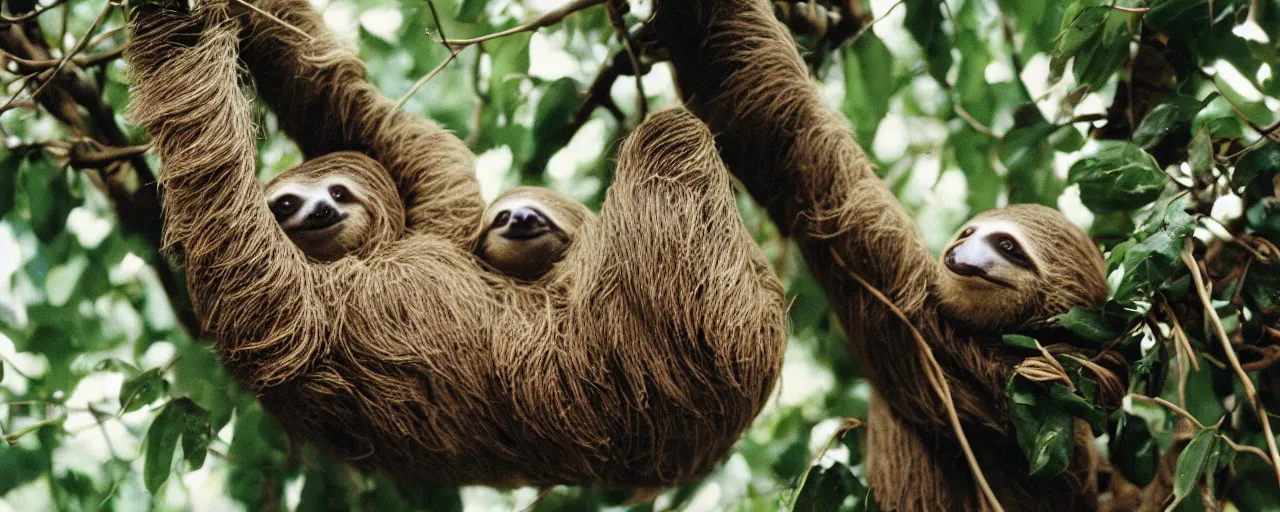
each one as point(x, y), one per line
point(1152, 121)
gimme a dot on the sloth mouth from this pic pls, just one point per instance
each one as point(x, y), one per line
point(525, 234)
point(319, 225)
point(966, 270)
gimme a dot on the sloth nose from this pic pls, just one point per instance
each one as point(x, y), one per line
point(525, 218)
point(963, 269)
point(322, 212)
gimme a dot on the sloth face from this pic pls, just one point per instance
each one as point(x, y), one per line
point(993, 253)
point(525, 234)
point(326, 217)
point(991, 272)
point(1019, 266)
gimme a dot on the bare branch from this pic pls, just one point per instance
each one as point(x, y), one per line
point(272, 17)
point(546, 20)
point(6, 20)
point(85, 156)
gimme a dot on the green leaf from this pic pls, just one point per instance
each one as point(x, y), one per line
point(48, 197)
point(1077, 406)
point(1121, 176)
point(1053, 444)
point(510, 65)
point(21, 465)
point(867, 88)
point(1150, 263)
point(1261, 163)
point(1020, 343)
point(1200, 154)
point(1086, 324)
point(552, 125)
point(1132, 449)
point(924, 22)
point(162, 440)
point(1101, 56)
point(1044, 429)
point(1083, 27)
point(826, 488)
point(8, 182)
point(141, 390)
point(196, 433)
point(470, 11)
point(1181, 20)
point(1175, 113)
point(1191, 464)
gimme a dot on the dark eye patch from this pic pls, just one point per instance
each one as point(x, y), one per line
point(340, 194)
point(502, 218)
point(285, 206)
point(1011, 250)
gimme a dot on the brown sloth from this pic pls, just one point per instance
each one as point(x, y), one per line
point(1007, 270)
point(621, 366)
point(527, 230)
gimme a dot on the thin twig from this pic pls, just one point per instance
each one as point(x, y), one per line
point(973, 123)
point(546, 20)
point(1249, 391)
point(272, 17)
point(854, 40)
point(937, 377)
point(29, 14)
point(619, 26)
point(1183, 412)
point(423, 81)
point(1170, 406)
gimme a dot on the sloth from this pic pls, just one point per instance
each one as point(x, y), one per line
point(1000, 262)
point(328, 208)
point(406, 354)
point(527, 230)
point(1009, 270)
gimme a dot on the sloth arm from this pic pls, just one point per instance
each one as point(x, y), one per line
point(739, 70)
point(186, 93)
point(319, 93)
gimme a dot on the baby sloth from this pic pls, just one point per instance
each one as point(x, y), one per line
point(527, 230)
point(1019, 263)
point(336, 204)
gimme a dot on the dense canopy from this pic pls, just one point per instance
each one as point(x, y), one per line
point(1155, 124)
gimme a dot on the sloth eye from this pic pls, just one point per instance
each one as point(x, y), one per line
point(340, 193)
point(502, 218)
point(966, 233)
point(285, 205)
point(1013, 252)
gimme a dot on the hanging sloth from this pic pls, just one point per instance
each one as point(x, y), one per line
point(1007, 270)
point(353, 305)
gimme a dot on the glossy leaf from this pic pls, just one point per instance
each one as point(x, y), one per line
point(1119, 177)
point(1191, 463)
point(924, 22)
point(162, 440)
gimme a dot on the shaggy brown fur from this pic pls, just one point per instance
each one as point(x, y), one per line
point(739, 70)
point(637, 361)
